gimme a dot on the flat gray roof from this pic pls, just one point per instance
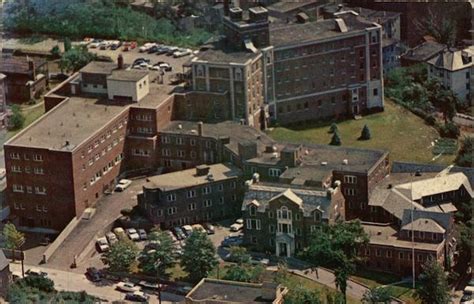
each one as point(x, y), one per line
point(127, 75)
point(74, 120)
point(225, 56)
point(188, 178)
point(99, 67)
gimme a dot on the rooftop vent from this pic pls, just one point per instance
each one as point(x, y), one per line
point(202, 170)
point(210, 177)
point(324, 163)
point(418, 173)
point(274, 155)
point(180, 126)
point(345, 162)
point(379, 232)
point(389, 186)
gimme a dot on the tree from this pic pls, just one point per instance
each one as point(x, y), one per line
point(465, 155)
point(439, 24)
point(14, 239)
point(244, 273)
point(157, 260)
point(377, 295)
point(75, 59)
point(239, 255)
point(337, 247)
point(55, 52)
point(301, 295)
point(365, 134)
point(121, 256)
point(67, 44)
point(333, 128)
point(17, 119)
point(335, 140)
point(446, 100)
point(432, 284)
point(199, 256)
point(450, 130)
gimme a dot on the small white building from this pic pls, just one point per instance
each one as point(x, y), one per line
point(453, 68)
point(128, 85)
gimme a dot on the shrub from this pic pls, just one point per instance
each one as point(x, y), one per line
point(55, 52)
point(126, 212)
point(430, 120)
point(333, 128)
point(450, 130)
point(465, 157)
point(17, 119)
point(365, 134)
point(335, 140)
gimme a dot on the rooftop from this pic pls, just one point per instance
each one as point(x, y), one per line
point(452, 60)
point(189, 178)
point(286, 6)
point(290, 34)
point(19, 65)
point(326, 157)
point(99, 67)
point(219, 291)
point(424, 51)
point(385, 235)
point(233, 130)
point(220, 54)
point(72, 121)
point(127, 75)
point(425, 225)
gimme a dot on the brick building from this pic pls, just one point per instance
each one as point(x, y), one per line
point(279, 219)
point(26, 78)
point(3, 103)
point(206, 193)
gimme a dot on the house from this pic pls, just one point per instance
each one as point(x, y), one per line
point(26, 78)
point(212, 291)
point(280, 218)
point(206, 193)
point(453, 68)
point(5, 275)
point(422, 53)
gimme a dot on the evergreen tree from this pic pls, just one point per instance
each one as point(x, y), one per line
point(333, 128)
point(14, 239)
point(335, 140)
point(365, 134)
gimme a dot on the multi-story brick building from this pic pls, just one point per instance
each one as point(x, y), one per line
point(279, 219)
point(206, 193)
point(3, 102)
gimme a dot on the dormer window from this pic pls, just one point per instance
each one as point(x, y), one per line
point(253, 210)
point(200, 71)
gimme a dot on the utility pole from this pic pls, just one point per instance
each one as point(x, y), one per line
point(412, 236)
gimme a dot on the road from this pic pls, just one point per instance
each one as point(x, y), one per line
point(69, 281)
point(107, 211)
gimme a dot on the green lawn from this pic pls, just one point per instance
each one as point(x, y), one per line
point(31, 114)
point(374, 279)
point(404, 134)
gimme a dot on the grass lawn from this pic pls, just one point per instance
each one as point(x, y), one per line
point(404, 134)
point(31, 114)
point(374, 279)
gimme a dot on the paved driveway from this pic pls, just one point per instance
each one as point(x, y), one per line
point(107, 211)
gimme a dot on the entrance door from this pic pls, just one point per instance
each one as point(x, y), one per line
point(283, 249)
point(356, 110)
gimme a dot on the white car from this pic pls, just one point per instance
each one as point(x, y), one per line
point(240, 221)
point(122, 185)
point(133, 234)
point(182, 53)
point(142, 234)
point(146, 47)
point(127, 287)
point(103, 244)
point(120, 233)
point(36, 272)
point(155, 67)
point(236, 227)
point(111, 237)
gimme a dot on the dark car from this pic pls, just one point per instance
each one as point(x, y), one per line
point(466, 298)
point(140, 60)
point(116, 45)
point(162, 50)
point(93, 274)
point(153, 49)
point(232, 241)
point(58, 76)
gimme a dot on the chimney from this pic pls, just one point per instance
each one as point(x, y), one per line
point(236, 14)
point(247, 150)
point(202, 170)
point(120, 62)
point(200, 125)
point(226, 7)
point(31, 67)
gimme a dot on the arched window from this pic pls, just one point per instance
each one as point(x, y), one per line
point(284, 213)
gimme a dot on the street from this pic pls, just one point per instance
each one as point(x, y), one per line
point(65, 280)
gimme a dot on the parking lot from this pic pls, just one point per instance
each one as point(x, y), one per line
point(131, 55)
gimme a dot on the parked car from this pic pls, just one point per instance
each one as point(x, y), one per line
point(115, 44)
point(199, 227)
point(155, 67)
point(127, 287)
point(165, 66)
point(468, 295)
point(182, 53)
point(95, 43)
point(58, 76)
point(162, 50)
point(137, 296)
point(470, 283)
point(148, 285)
point(122, 185)
point(188, 229)
point(142, 234)
point(171, 50)
point(172, 236)
point(93, 274)
point(102, 244)
point(140, 60)
point(153, 49)
point(179, 233)
point(120, 233)
point(236, 227)
point(111, 237)
point(146, 47)
point(36, 272)
point(105, 44)
point(209, 228)
point(132, 234)
point(232, 241)
point(129, 45)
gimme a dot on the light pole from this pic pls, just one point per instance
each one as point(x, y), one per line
point(412, 234)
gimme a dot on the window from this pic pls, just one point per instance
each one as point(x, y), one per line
point(420, 257)
point(350, 191)
point(17, 188)
point(298, 231)
point(172, 210)
point(376, 92)
point(192, 142)
point(221, 200)
point(166, 152)
point(400, 255)
point(317, 216)
point(274, 172)
point(284, 213)
point(171, 197)
point(270, 214)
point(208, 203)
point(388, 253)
point(27, 169)
point(192, 206)
point(40, 190)
point(180, 141)
point(191, 193)
point(29, 189)
point(220, 187)
point(193, 154)
point(254, 240)
point(350, 179)
point(206, 190)
point(297, 217)
point(378, 252)
point(38, 171)
point(253, 224)
point(165, 140)
point(233, 185)
point(253, 210)
point(16, 169)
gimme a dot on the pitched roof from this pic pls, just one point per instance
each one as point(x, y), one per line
point(442, 219)
point(3, 261)
point(452, 60)
point(425, 225)
point(424, 51)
